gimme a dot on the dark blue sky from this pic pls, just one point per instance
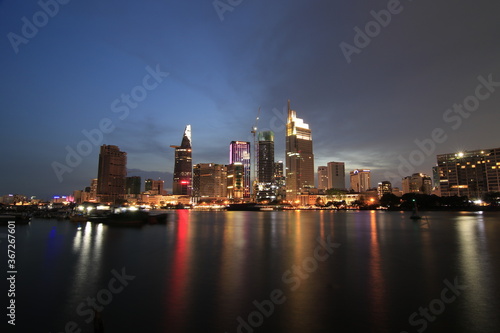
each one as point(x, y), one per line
point(66, 77)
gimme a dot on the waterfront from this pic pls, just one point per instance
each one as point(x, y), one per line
point(204, 270)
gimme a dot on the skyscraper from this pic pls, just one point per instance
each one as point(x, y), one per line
point(266, 188)
point(360, 180)
point(183, 169)
point(299, 156)
point(111, 174)
point(336, 175)
point(266, 157)
point(323, 177)
point(239, 151)
point(235, 180)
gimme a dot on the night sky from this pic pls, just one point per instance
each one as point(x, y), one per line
point(213, 69)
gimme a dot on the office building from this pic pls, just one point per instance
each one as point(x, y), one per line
point(239, 152)
point(266, 157)
point(469, 173)
point(111, 174)
point(183, 169)
point(299, 156)
point(209, 181)
point(323, 178)
point(336, 175)
point(417, 183)
point(235, 180)
point(133, 185)
point(154, 187)
point(360, 180)
point(383, 188)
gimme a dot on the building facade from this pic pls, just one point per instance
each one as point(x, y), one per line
point(239, 152)
point(469, 173)
point(336, 175)
point(299, 156)
point(235, 181)
point(133, 185)
point(183, 168)
point(323, 177)
point(383, 188)
point(111, 174)
point(360, 180)
point(209, 181)
point(154, 187)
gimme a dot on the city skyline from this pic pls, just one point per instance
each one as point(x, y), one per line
point(121, 73)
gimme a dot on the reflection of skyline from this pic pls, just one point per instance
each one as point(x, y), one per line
point(177, 291)
point(215, 265)
point(377, 283)
point(474, 260)
point(87, 244)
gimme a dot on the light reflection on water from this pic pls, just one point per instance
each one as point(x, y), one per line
point(203, 270)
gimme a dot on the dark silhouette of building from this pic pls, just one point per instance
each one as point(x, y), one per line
point(133, 185)
point(183, 169)
point(111, 174)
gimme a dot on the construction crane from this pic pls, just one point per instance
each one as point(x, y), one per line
point(256, 153)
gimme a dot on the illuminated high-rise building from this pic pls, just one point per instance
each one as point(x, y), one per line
point(360, 180)
point(235, 184)
point(417, 183)
point(299, 156)
point(384, 188)
point(183, 169)
point(266, 188)
point(111, 174)
point(239, 151)
point(469, 173)
point(266, 157)
point(323, 177)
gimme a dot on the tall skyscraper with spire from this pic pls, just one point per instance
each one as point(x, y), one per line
point(183, 169)
point(299, 156)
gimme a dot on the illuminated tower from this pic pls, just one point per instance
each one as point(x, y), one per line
point(183, 169)
point(299, 156)
point(239, 151)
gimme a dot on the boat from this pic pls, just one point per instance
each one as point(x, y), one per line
point(78, 218)
point(250, 206)
point(129, 218)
